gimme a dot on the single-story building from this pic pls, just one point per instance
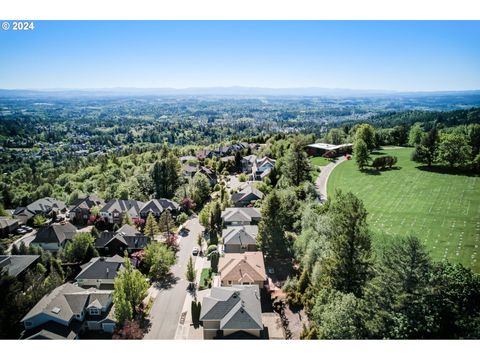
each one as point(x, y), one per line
point(246, 196)
point(228, 310)
point(240, 238)
point(100, 272)
point(242, 269)
point(241, 216)
point(328, 150)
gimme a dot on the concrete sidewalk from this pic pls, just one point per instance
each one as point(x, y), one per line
point(185, 329)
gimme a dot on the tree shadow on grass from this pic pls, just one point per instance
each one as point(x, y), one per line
point(373, 171)
point(378, 152)
point(442, 169)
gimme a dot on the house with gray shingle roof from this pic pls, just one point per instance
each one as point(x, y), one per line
point(158, 206)
point(116, 242)
point(80, 209)
point(7, 226)
point(100, 272)
point(238, 239)
point(15, 265)
point(246, 196)
point(55, 236)
point(43, 206)
point(114, 210)
point(68, 310)
point(241, 216)
point(228, 310)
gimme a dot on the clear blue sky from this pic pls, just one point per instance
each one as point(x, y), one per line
point(333, 54)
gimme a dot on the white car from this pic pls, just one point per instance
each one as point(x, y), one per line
point(195, 251)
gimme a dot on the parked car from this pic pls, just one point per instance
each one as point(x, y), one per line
point(21, 231)
point(195, 251)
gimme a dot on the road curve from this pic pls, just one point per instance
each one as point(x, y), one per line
point(322, 179)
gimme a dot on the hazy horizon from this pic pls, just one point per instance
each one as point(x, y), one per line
point(385, 56)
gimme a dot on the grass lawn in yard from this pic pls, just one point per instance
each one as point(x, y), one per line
point(442, 209)
point(205, 278)
point(320, 161)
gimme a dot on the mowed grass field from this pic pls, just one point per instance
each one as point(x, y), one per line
point(441, 209)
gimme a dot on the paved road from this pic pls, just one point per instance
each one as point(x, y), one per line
point(168, 304)
point(323, 177)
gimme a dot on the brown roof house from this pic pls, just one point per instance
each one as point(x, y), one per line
point(242, 269)
point(232, 311)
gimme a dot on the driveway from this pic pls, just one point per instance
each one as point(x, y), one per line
point(170, 297)
point(27, 239)
point(322, 179)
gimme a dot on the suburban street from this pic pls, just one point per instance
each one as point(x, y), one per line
point(168, 303)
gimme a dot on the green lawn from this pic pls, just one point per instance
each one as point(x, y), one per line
point(441, 209)
point(205, 278)
point(319, 161)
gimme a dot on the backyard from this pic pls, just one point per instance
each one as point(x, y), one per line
point(442, 209)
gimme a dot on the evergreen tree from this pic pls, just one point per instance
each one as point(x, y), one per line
point(191, 273)
point(348, 266)
point(214, 259)
point(366, 132)
point(166, 174)
point(151, 227)
point(426, 152)
point(81, 249)
point(296, 165)
point(166, 223)
point(271, 235)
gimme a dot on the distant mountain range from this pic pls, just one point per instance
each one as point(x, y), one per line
point(229, 92)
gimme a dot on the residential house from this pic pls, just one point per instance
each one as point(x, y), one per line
point(80, 210)
point(211, 176)
point(242, 269)
point(15, 265)
point(246, 196)
point(116, 242)
point(247, 163)
point(188, 158)
point(114, 210)
point(67, 311)
point(204, 154)
point(189, 170)
point(239, 239)
point(44, 206)
point(158, 206)
point(241, 216)
point(262, 167)
point(55, 236)
point(7, 226)
point(100, 272)
point(227, 311)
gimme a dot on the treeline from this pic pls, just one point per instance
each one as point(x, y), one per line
point(352, 289)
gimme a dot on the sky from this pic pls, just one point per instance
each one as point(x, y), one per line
point(380, 55)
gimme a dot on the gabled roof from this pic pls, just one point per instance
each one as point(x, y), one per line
point(131, 206)
point(248, 192)
point(241, 214)
point(240, 235)
point(237, 307)
point(101, 268)
point(159, 205)
point(13, 265)
point(127, 235)
point(250, 158)
point(55, 233)
point(43, 205)
point(246, 267)
point(64, 302)
point(52, 330)
point(87, 203)
point(7, 222)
